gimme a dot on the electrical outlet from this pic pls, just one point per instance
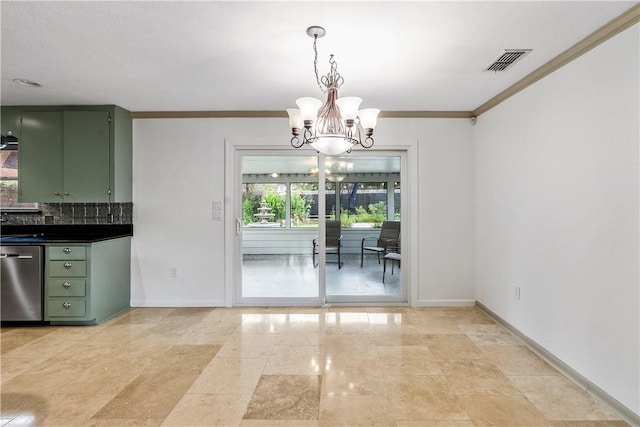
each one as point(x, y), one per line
point(173, 271)
point(516, 292)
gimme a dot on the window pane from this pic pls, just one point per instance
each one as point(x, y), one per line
point(9, 182)
point(304, 204)
point(263, 204)
point(364, 204)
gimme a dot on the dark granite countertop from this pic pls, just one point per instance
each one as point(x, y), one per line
point(63, 233)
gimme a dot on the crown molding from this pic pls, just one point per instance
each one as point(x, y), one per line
point(604, 33)
point(207, 114)
point(257, 114)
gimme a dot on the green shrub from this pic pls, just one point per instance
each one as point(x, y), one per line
point(277, 204)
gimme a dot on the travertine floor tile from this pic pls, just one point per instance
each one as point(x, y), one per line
point(424, 398)
point(411, 360)
point(229, 376)
point(434, 423)
point(476, 377)
point(357, 410)
point(516, 360)
point(502, 411)
point(55, 409)
point(490, 334)
point(204, 410)
point(279, 423)
point(13, 338)
point(124, 423)
point(463, 315)
point(248, 345)
point(452, 347)
point(354, 379)
point(559, 399)
point(285, 397)
point(155, 392)
point(589, 424)
point(296, 360)
point(107, 376)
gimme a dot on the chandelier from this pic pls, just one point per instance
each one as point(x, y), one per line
point(337, 126)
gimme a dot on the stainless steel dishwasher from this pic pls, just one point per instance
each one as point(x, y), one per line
point(22, 283)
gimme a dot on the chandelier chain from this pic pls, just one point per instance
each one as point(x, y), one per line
point(333, 78)
point(315, 64)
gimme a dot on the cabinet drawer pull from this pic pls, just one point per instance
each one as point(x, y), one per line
point(67, 250)
point(57, 193)
point(66, 305)
point(67, 265)
point(66, 193)
point(66, 285)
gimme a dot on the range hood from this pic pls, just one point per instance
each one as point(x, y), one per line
point(8, 141)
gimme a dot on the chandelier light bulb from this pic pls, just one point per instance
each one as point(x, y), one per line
point(308, 108)
point(295, 121)
point(349, 107)
point(369, 117)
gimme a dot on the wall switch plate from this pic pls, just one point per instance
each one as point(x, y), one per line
point(216, 211)
point(516, 292)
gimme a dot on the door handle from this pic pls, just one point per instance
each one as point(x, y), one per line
point(238, 226)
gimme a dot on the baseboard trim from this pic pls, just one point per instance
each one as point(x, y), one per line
point(178, 303)
point(621, 410)
point(445, 303)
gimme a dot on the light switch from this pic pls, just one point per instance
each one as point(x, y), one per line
point(216, 211)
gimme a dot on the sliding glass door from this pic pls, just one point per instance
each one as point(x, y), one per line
point(279, 223)
point(288, 199)
point(366, 200)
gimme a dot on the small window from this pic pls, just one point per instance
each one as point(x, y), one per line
point(9, 183)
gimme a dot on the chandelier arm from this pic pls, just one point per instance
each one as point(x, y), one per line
point(296, 143)
point(307, 136)
point(367, 142)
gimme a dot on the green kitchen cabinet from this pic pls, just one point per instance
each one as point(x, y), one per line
point(87, 283)
point(75, 154)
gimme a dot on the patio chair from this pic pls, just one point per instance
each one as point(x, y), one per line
point(390, 231)
point(392, 253)
point(333, 241)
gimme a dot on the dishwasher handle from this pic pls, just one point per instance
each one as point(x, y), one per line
point(19, 256)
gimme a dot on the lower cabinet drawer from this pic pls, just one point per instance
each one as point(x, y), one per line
point(68, 268)
point(65, 287)
point(67, 252)
point(66, 308)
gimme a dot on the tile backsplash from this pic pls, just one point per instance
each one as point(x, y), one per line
point(73, 213)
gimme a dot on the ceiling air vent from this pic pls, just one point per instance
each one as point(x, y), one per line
point(509, 57)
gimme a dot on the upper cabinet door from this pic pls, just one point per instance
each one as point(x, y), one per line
point(41, 178)
point(86, 157)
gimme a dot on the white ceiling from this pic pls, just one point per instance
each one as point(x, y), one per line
point(214, 55)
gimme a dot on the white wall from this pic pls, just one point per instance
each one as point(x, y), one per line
point(179, 169)
point(557, 184)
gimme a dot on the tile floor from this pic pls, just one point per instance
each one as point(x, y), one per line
point(286, 367)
